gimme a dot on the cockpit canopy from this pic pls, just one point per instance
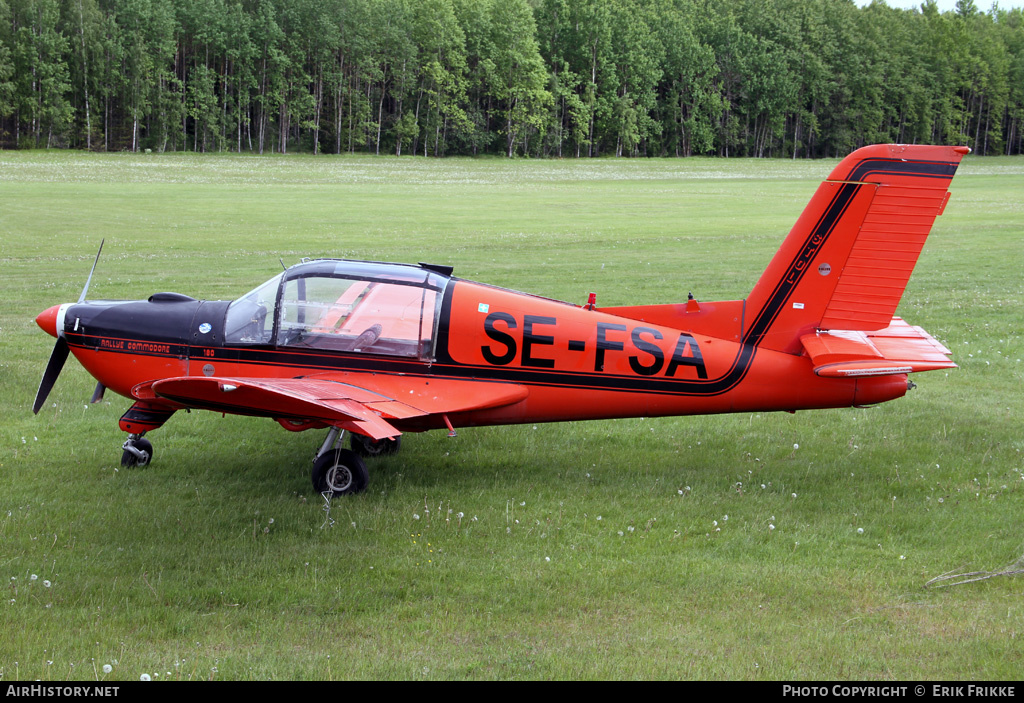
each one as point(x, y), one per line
point(341, 305)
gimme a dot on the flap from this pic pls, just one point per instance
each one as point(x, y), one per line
point(426, 395)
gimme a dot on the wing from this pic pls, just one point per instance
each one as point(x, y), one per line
point(359, 402)
point(899, 348)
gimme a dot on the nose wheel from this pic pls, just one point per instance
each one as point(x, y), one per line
point(138, 451)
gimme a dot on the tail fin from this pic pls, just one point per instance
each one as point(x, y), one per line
point(847, 260)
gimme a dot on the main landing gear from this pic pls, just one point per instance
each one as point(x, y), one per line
point(365, 446)
point(338, 471)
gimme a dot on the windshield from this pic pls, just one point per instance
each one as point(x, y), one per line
point(249, 320)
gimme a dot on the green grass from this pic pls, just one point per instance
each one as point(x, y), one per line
point(177, 569)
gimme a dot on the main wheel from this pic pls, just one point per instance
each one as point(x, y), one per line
point(339, 472)
point(137, 452)
point(367, 446)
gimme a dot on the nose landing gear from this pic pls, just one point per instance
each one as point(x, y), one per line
point(138, 451)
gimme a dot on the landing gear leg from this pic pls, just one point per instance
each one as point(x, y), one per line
point(331, 441)
point(138, 451)
point(338, 471)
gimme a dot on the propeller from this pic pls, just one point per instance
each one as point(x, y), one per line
point(53, 367)
point(60, 354)
point(81, 298)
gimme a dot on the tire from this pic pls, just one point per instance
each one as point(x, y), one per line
point(340, 472)
point(129, 459)
point(366, 446)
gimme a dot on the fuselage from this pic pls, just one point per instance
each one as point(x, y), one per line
point(406, 321)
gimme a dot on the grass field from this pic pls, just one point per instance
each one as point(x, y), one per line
point(706, 547)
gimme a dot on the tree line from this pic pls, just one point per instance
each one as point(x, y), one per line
point(557, 78)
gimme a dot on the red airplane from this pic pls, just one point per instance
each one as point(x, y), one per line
point(378, 349)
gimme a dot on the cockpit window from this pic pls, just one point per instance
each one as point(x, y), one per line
point(349, 306)
point(250, 319)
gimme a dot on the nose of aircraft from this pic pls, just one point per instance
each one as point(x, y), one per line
point(47, 320)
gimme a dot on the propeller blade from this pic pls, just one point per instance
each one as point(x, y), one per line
point(81, 298)
point(57, 358)
point(97, 395)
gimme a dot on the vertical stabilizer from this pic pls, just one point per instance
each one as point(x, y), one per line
point(847, 260)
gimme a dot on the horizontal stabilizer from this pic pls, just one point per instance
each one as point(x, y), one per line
point(899, 348)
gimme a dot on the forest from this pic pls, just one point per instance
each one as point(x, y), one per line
point(538, 78)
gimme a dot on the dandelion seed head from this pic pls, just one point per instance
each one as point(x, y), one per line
point(107, 668)
point(860, 530)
